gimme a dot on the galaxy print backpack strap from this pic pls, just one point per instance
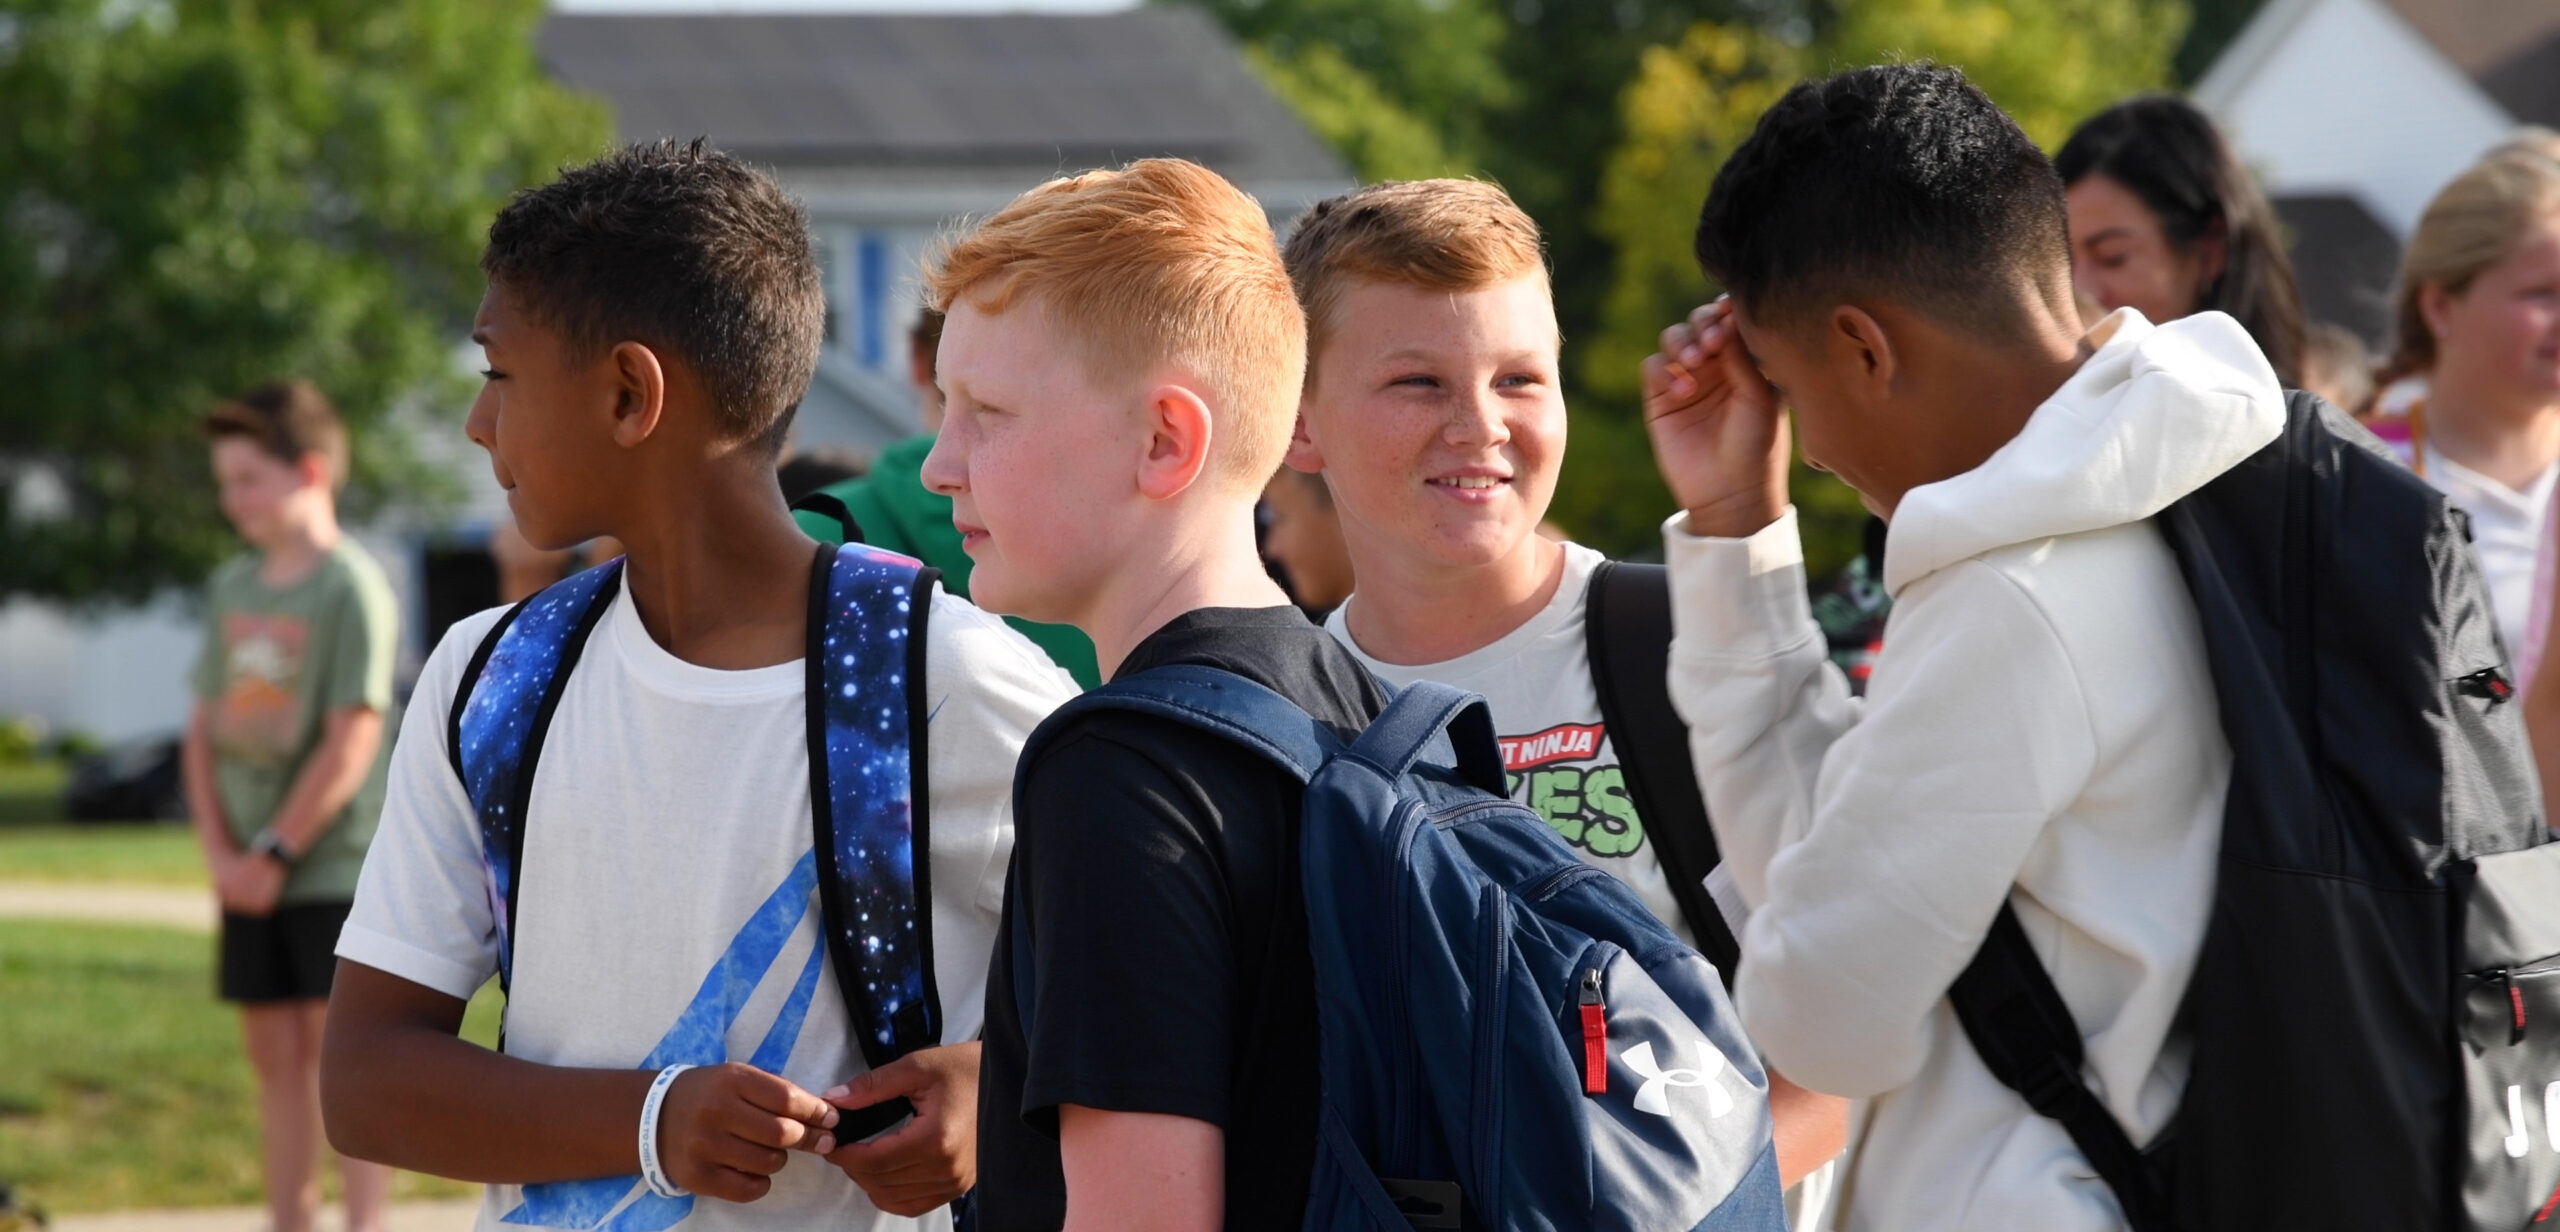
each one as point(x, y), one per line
point(499, 717)
point(869, 803)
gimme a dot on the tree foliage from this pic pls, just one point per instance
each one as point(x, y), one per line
point(2050, 63)
point(198, 195)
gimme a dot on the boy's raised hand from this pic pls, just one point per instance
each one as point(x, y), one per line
point(726, 1129)
point(932, 1158)
point(1718, 431)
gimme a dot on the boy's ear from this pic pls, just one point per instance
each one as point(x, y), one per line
point(1303, 454)
point(1861, 350)
point(1178, 436)
point(312, 469)
point(639, 394)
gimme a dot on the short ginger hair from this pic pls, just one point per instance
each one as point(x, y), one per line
point(1158, 262)
point(1439, 235)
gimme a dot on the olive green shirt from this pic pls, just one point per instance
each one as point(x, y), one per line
point(275, 663)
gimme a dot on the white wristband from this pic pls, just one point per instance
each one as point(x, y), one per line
point(649, 1169)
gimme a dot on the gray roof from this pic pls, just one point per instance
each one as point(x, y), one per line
point(2527, 83)
point(1054, 92)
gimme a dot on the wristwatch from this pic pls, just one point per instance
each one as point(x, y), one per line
point(270, 844)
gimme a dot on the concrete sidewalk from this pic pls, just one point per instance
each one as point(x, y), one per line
point(452, 1215)
point(107, 902)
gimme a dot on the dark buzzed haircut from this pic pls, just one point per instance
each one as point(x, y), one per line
point(1902, 182)
point(683, 249)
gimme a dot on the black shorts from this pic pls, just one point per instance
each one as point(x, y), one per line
point(288, 956)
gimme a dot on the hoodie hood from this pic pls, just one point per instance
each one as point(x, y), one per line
point(2156, 413)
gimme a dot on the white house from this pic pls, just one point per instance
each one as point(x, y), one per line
point(2354, 112)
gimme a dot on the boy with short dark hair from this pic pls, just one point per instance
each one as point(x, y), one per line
point(1121, 364)
point(283, 762)
point(1434, 414)
point(2041, 728)
point(651, 323)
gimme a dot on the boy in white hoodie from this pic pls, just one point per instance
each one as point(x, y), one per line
point(2041, 727)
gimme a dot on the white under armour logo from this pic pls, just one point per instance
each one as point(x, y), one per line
point(1651, 1098)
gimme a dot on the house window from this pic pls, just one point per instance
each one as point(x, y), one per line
point(871, 285)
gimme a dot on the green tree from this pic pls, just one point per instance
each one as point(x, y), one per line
point(1568, 60)
point(1402, 89)
point(2049, 62)
point(2216, 24)
point(197, 195)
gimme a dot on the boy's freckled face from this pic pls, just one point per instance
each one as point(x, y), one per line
point(1036, 457)
point(1439, 419)
point(526, 417)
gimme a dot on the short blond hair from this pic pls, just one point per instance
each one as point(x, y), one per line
point(2476, 222)
point(1439, 235)
point(1161, 261)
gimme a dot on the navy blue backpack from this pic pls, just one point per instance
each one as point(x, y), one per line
point(1509, 1039)
point(869, 823)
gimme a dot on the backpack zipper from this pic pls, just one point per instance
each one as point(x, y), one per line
point(1595, 1036)
point(2489, 683)
point(2505, 978)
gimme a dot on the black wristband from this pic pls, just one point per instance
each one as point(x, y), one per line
point(270, 844)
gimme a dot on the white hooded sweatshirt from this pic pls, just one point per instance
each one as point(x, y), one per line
point(2040, 729)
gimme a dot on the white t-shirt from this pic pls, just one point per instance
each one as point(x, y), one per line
point(1555, 747)
point(2506, 534)
point(669, 818)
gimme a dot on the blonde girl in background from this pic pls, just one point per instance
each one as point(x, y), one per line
point(2477, 320)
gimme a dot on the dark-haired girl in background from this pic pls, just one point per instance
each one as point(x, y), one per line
point(2165, 221)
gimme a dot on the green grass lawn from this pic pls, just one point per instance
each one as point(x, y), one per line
point(151, 854)
point(31, 791)
point(36, 844)
point(124, 1084)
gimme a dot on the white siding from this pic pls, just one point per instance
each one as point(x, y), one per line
point(2342, 96)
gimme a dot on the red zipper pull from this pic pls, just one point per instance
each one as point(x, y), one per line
point(2515, 999)
point(1595, 1037)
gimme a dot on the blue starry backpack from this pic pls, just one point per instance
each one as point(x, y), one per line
point(867, 610)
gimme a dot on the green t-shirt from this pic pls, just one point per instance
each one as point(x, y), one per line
point(275, 663)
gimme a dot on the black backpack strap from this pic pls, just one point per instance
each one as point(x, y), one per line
point(827, 504)
point(2026, 1037)
point(1627, 636)
point(871, 823)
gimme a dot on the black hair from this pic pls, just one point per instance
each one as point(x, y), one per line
point(2167, 153)
point(1901, 181)
point(681, 248)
